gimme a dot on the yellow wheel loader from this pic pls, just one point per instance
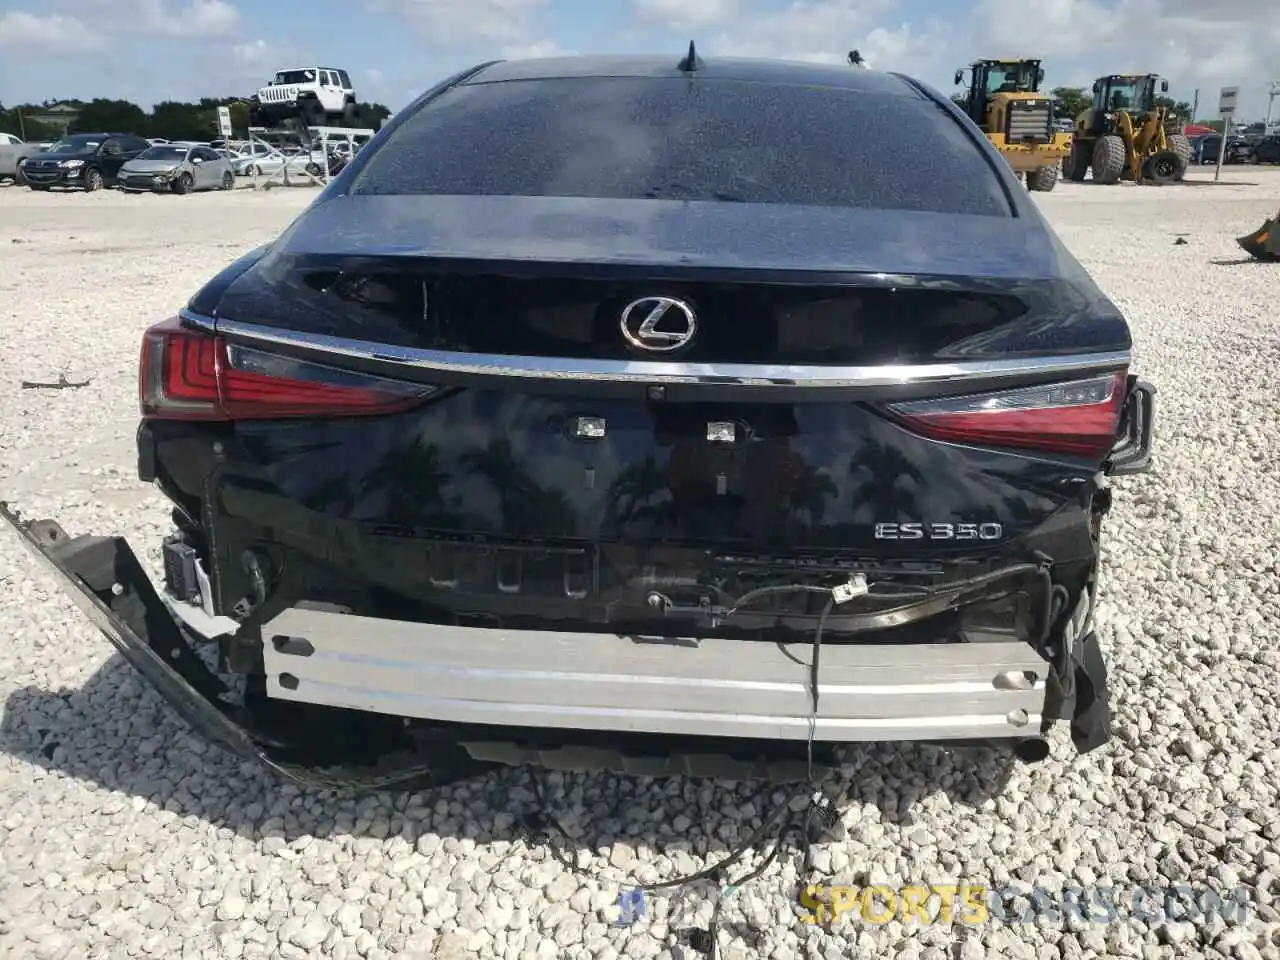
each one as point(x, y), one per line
point(1126, 135)
point(1005, 101)
point(1264, 243)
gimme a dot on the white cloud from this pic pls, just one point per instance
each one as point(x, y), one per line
point(203, 19)
point(53, 35)
point(456, 25)
point(1192, 44)
point(687, 14)
point(534, 48)
point(825, 31)
point(262, 58)
point(95, 23)
point(822, 31)
point(243, 67)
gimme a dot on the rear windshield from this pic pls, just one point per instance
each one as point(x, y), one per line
point(718, 140)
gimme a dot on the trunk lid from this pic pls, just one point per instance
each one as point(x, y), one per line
point(551, 277)
point(532, 486)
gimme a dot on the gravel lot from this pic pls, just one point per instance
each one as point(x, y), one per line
point(121, 834)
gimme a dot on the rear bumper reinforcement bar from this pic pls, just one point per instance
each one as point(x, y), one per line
point(705, 688)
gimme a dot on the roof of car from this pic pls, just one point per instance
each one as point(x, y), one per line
point(722, 68)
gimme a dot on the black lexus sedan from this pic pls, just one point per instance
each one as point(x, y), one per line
point(662, 406)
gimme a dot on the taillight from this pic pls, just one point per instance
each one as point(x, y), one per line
point(188, 374)
point(1079, 418)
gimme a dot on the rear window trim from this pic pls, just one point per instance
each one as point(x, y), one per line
point(908, 92)
point(911, 91)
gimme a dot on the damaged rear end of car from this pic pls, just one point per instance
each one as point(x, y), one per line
point(500, 461)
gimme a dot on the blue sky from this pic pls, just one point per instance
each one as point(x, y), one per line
point(149, 50)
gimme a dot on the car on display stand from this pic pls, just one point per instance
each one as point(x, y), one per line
point(309, 96)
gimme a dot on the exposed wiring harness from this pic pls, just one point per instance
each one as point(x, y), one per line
point(818, 815)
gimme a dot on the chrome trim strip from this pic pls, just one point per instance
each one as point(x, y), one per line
point(651, 372)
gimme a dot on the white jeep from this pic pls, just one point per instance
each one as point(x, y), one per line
point(317, 96)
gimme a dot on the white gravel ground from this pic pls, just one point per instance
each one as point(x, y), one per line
point(121, 834)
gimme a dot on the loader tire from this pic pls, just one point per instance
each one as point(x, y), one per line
point(1181, 145)
point(1078, 163)
point(1043, 179)
point(1108, 159)
point(1163, 168)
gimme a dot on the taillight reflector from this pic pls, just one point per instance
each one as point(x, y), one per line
point(187, 374)
point(1079, 418)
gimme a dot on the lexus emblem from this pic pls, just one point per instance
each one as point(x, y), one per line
point(658, 324)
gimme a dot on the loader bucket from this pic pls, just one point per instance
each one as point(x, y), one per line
point(1263, 243)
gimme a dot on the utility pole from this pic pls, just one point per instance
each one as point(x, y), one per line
point(1195, 105)
point(1271, 98)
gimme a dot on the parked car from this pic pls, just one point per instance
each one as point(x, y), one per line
point(175, 168)
point(1266, 150)
point(601, 437)
point(12, 152)
point(85, 160)
point(1205, 149)
point(270, 162)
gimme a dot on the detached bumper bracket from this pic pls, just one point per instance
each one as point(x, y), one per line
point(1132, 452)
point(1091, 717)
point(103, 577)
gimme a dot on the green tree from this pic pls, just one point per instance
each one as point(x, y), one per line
point(1070, 102)
point(1177, 109)
point(170, 119)
point(174, 121)
point(103, 115)
point(371, 115)
point(18, 121)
